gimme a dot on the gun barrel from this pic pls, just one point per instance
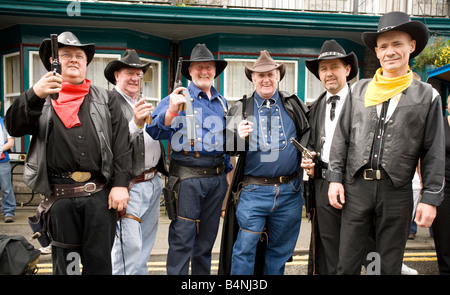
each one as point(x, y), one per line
point(55, 65)
point(181, 106)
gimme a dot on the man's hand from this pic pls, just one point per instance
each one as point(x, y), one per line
point(141, 112)
point(245, 128)
point(308, 164)
point(336, 195)
point(425, 215)
point(118, 198)
point(48, 84)
point(176, 98)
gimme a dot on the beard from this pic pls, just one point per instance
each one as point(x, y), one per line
point(202, 83)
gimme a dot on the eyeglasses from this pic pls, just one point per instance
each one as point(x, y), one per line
point(67, 56)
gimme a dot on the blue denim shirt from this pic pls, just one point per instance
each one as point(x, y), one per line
point(209, 116)
point(271, 153)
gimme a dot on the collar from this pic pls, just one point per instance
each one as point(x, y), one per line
point(126, 96)
point(198, 93)
point(342, 94)
point(261, 101)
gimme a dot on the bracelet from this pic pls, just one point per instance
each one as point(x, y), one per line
point(172, 114)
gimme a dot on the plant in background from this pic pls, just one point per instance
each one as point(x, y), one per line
point(443, 58)
point(436, 54)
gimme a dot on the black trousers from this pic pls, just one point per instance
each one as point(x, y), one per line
point(374, 208)
point(324, 248)
point(84, 221)
point(441, 235)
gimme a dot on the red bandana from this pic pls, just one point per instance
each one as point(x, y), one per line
point(69, 101)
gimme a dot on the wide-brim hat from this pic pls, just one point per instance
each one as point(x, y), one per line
point(130, 59)
point(399, 21)
point(332, 50)
point(64, 39)
point(265, 63)
point(201, 53)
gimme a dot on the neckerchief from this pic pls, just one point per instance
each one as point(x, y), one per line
point(69, 101)
point(382, 88)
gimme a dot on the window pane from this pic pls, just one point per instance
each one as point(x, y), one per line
point(38, 69)
point(95, 72)
point(314, 87)
point(152, 81)
point(12, 74)
point(237, 84)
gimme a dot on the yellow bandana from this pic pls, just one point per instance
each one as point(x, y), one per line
point(382, 88)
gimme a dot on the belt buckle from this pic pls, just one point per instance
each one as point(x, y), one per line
point(377, 174)
point(90, 187)
point(281, 179)
point(80, 176)
point(149, 175)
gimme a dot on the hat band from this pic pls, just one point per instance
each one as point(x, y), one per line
point(385, 29)
point(331, 53)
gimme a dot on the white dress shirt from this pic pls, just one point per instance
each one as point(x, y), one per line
point(330, 126)
point(152, 148)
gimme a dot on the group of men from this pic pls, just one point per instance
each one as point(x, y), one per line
point(93, 156)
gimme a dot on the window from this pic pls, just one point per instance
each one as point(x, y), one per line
point(95, 70)
point(11, 74)
point(12, 82)
point(237, 84)
point(152, 81)
point(95, 73)
point(314, 87)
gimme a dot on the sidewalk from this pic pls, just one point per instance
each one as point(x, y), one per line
point(423, 241)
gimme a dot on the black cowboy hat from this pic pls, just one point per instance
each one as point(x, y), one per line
point(399, 21)
point(263, 64)
point(64, 39)
point(200, 53)
point(130, 59)
point(332, 50)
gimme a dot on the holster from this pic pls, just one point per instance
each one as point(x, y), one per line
point(309, 195)
point(170, 192)
point(39, 223)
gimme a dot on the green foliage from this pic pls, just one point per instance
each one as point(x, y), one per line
point(436, 54)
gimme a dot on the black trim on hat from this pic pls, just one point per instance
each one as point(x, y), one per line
point(201, 53)
point(130, 59)
point(64, 39)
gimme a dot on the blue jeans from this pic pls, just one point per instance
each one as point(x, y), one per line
point(189, 241)
point(279, 209)
point(131, 256)
point(8, 198)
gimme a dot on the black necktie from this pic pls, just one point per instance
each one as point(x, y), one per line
point(332, 100)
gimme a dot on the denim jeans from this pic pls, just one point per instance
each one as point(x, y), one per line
point(8, 198)
point(278, 208)
point(191, 242)
point(131, 255)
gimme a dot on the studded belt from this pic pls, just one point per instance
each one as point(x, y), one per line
point(78, 190)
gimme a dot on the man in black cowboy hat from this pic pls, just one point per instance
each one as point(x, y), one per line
point(267, 182)
point(198, 164)
point(334, 68)
point(137, 229)
point(79, 157)
point(393, 122)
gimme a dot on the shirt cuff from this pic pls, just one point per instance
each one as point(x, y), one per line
point(332, 176)
point(432, 199)
point(121, 180)
point(134, 129)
